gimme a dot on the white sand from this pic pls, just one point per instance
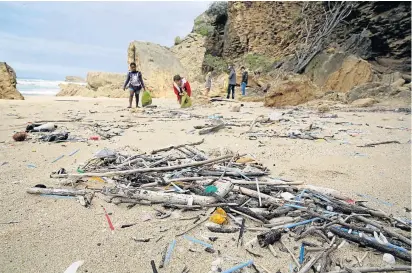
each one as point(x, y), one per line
point(52, 233)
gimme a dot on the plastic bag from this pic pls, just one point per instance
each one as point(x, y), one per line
point(186, 101)
point(146, 98)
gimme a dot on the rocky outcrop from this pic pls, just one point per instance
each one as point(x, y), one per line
point(74, 79)
point(379, 91)
point(363, 102)
point(99, 79)
point(110, 91)
point(296, 90)
point(158, 65)
point(191, 53)
point(353, 72)
point(99, 84)
point(8, 83)
point(260, 27)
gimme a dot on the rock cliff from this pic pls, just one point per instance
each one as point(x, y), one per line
point(371, 45)
point(158, 65)
point(8, 83)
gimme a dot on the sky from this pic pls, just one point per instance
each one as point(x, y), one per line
point(51, 40)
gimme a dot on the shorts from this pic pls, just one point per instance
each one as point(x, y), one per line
point(135, 89)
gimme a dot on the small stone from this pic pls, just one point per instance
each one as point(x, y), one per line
point(99, 244)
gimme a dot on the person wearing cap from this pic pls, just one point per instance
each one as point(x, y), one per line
point(180, 87)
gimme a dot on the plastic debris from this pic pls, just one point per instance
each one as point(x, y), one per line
point(73, 267)
point(237, 267)
point(60, 157)
point(302, 254)
point(74, 152)
point(94, 138)
point(211, 189)
point(31, 166)
point(196, 241)
point(287, 196)
point(219, 217)
point(105, 153)
point(388, 258)
point(108, 219)
point(169, 252)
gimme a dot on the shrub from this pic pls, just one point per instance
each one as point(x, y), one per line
point(218, 64)
point(259, 62)
point(177, 40)
point(218, 8)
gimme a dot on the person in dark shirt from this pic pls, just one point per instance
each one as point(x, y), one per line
point(245, 77)
point(135, 83)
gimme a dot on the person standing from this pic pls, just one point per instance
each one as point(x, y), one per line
point(245, 77)
point(232, 82)
point(135, 83)
point(208, 84)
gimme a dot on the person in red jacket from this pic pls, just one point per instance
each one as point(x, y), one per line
point(181, 86)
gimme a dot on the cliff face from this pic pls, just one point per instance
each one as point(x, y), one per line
point(74, 79)
point(8, 83)
point(259, 27)
point(374, 30)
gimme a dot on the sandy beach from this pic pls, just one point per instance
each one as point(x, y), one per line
point(51, 233)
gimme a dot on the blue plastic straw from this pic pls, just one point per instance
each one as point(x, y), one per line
point(237, 267)
point(194, 240)
point(169, 251)
point(74, 152)
point(60, 157)
point(302, 254)
point(299, 197)
point(294, 206)
point(31, 166)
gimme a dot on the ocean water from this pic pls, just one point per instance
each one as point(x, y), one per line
point(35, 87)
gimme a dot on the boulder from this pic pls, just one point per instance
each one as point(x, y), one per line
point(293, 91)
point(353, 72)
point(8, 83)
point(398, 83)
point(158, 66)
point(391, 77)
point(377, 90)
point(74, 79)
point(364, 102)
point(100, 79)
point(324, 64)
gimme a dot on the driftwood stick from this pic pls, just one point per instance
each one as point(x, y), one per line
point(176, 146)
point(253, 124)
point(404, 255)
point(183, 199)
point(62, 192)
point(247, 216)
point(200, 155)
point(204, 219)
point(380, 143)
point(311, 262)
point(144, 170)
point(406, 268)
point(212, 129)
point(291, 254)
point(385, 229)
point(255, 194)
point(234, 174)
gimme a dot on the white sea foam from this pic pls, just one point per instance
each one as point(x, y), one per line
point(35, 87)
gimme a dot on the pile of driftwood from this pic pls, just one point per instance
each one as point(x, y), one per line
point(184, 177)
